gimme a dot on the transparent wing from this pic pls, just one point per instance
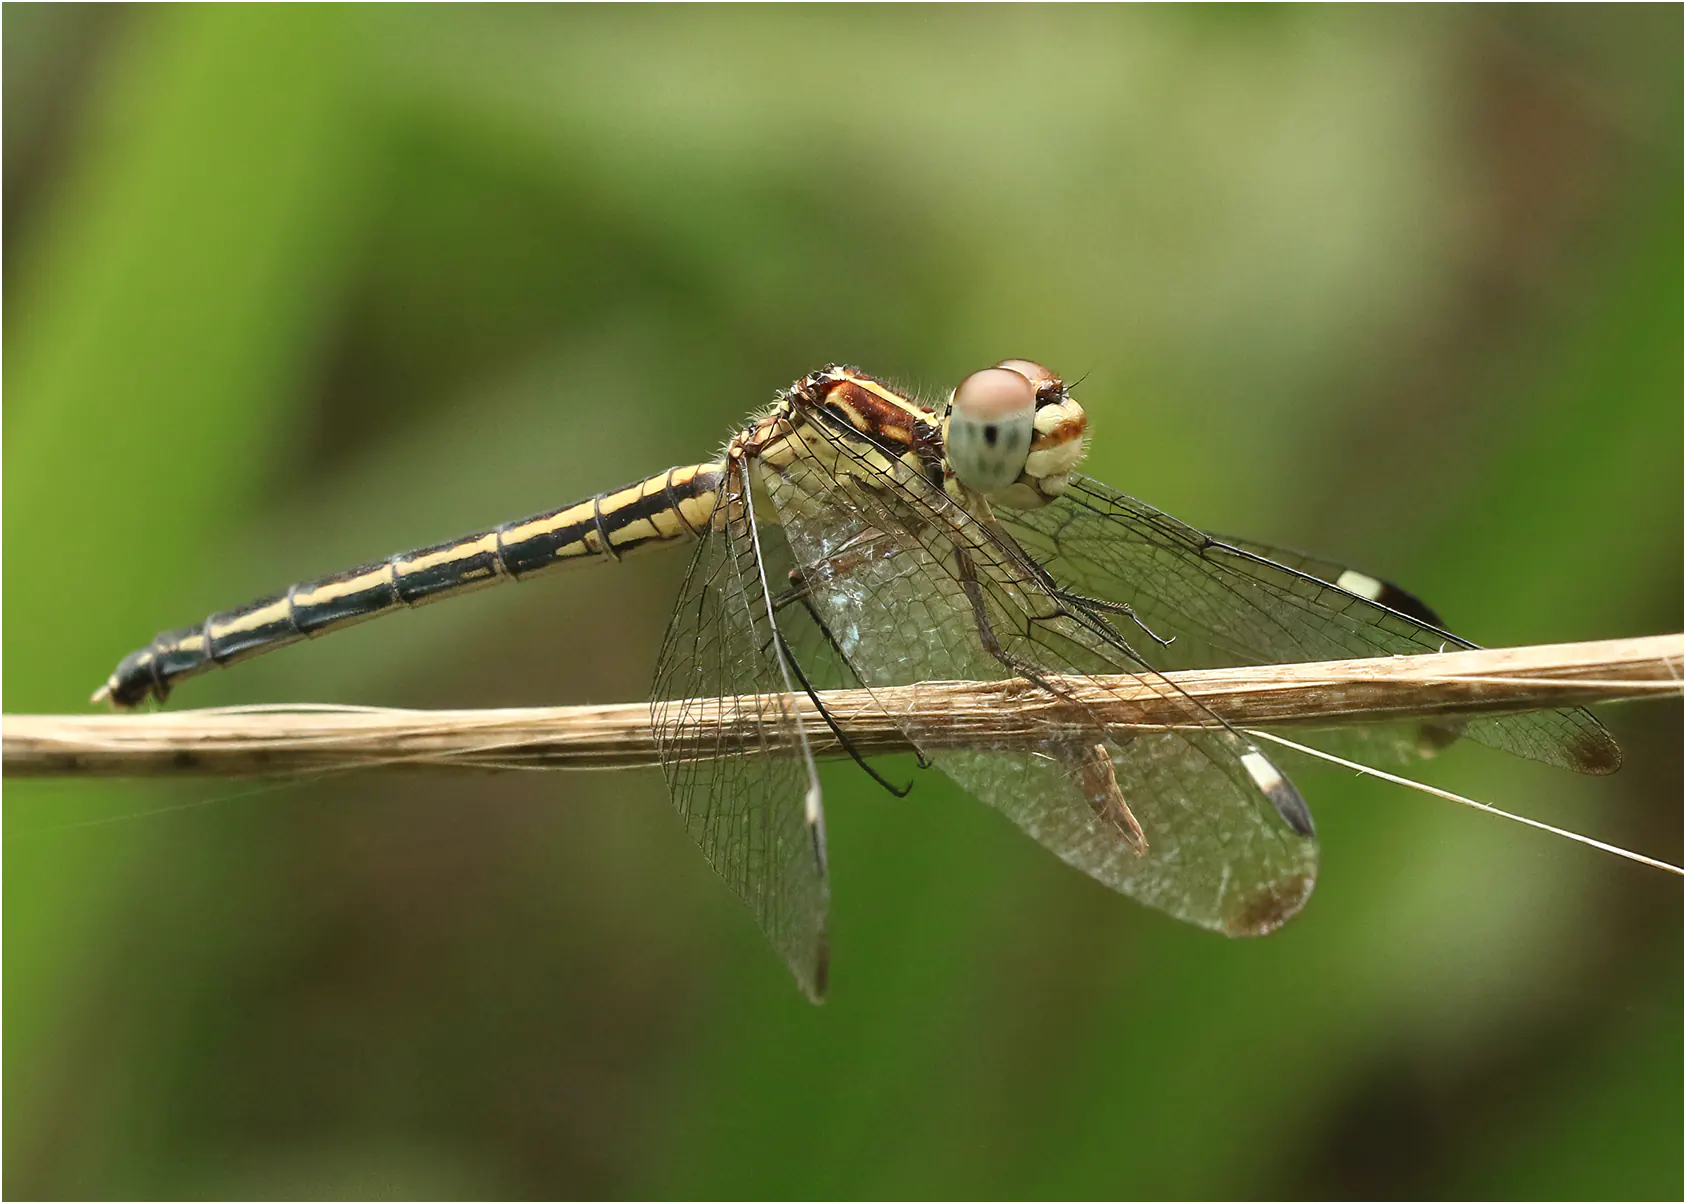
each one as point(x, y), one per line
point(1225, 603)
point(911, 589)
point(1402, 741)
point(756, 815)
point(1343, 576)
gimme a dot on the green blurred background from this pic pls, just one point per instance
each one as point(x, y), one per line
point(291, 288)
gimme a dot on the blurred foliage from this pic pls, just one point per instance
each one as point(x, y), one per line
point(289, 288)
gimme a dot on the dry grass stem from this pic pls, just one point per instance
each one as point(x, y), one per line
point(295, 739)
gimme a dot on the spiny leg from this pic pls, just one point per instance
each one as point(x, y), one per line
point(798, 592)
point(836, 731)
point(966, 575)
point(1117, 608)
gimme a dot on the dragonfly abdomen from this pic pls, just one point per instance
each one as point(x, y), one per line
point(679, 503)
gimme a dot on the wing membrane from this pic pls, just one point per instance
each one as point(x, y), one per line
point(756, 814)
point(1226, 603)
point(1342, 576)
point(915, 589)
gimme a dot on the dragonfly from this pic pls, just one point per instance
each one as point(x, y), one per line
point(852, 535)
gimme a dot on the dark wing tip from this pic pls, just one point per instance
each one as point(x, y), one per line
point(1407, 603)
point(1272, 906)
point(1595, 750)
point(817, 986)
point(1436, 736)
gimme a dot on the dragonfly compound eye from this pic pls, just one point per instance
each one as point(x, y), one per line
point(1046, 381)
point(991, 420)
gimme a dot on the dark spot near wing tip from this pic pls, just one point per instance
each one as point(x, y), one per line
point(1597, 752)
point(822, 973)
point(1291, 807)
point(1407, 603)
point(1435, 738)
point(1272, 907)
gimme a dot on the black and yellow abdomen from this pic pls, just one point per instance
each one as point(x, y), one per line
point(677, 504)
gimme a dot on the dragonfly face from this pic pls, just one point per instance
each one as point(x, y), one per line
point(851, 535)
point(1014, 434)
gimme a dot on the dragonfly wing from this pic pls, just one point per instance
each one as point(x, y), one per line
point(1376, 589)
point(1194, 822)
point(1227, 603)
point(1402, 741)
point(756, 815)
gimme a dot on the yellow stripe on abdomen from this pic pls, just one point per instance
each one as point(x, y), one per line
point(675, 505)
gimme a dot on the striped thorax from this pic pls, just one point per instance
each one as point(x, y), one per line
point(1011, 434)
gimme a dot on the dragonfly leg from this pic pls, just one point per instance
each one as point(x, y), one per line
point(967, 575)
point(1117, 608)
point(837, 732)
point(868, 545)
point(799, 592)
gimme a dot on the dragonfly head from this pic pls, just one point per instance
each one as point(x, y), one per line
point(1014, 434)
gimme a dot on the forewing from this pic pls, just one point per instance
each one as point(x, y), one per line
point(1376, 589)
point(1402, 740)
point(878, 545)
point(1221, 603)
point(755, 812)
